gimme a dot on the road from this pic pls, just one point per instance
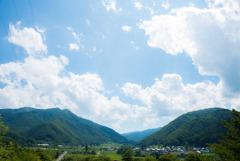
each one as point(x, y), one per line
point(61, 156)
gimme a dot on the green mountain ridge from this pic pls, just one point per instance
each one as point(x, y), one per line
point(195, 128)
point(139, 135)
point(56, 126)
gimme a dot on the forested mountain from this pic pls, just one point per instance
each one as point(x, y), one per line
point(193, 129)
point(55, 126)
point(139, 135)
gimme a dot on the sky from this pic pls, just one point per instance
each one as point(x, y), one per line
point(130, 65)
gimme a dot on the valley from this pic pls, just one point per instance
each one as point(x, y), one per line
point(63, 131)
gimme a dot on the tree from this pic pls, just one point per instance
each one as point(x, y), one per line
point(229, 149)
point(3, 147)
point(168, 158)
point(127, 156)
point(198, 157)
point(138, 153)
point(3, 130)
point(123, 149)
point(86, 148)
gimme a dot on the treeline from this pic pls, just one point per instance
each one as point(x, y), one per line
point(194, 129)
point(226, 150)
point(10, 151)
point(129, 155)
point(72, 157)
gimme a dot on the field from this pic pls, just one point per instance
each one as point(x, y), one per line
point(112, 155)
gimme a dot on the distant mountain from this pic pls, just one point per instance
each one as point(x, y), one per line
point(55, 126)
point(139, 135)
point(193, 129)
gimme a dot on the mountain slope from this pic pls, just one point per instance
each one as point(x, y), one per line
point(57, 127)
point(194, 129)
point(20, 120)
point(139, 135)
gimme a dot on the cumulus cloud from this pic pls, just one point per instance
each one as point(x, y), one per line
point(73, 46)
point(210, 36)
point(170, 97)
point(138, 5)
point(110, 5)
point(44, 82)
point(28, 38)
point(126, 28)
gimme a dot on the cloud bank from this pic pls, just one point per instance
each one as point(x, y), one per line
point(170, 97)
point(210, 36)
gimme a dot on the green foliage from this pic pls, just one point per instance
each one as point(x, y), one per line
point(3, 130)
point(229, 149)
point(138, 159)
point(168, 158)
point(127, 156)
point(138, 153)
point(112, 155)
point(123, 149)
point(86, 148)
point(44, 155)
point(10, 151)
point(85, 158)
point(164, 157)
point(191, 129)
point(93, 152)
point(13, 152)
point(199, 157)
point(28, 126)
point(148, 158)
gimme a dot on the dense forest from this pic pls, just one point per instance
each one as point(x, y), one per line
point(30, 126)
point(195, 128)
point(226, 149)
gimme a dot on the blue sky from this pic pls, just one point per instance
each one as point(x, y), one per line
point(130, 65)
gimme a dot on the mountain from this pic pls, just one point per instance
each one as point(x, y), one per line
point(191, 129)
point(139, 135)
point(55, 126)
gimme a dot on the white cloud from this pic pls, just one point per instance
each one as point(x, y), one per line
point(28, 38)
point(138, 5)
point(73, 46)
point(170, 97)
point(126, 28)
point(77, 37)
point(166, 5)
point(110, 5)
point(210, 36)
point(44, 82)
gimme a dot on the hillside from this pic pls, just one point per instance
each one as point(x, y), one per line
point(55, 126)
point(193, 129)
point(139, 135)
